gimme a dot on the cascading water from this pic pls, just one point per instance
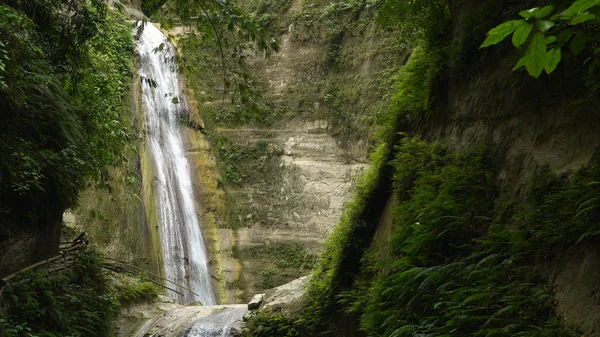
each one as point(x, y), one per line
point(184, 254)
point(221, 324)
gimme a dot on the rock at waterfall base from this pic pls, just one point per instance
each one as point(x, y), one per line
point(256, 302)
point(287, 299)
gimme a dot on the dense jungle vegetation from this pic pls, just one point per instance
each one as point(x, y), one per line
point(65, 74)
point(66, 71)
point(462, 260)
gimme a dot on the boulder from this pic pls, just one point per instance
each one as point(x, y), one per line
point(256, 301)
point(134, 316)
point(286, 299)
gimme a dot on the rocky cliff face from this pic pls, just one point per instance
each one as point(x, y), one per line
point(528, 122)
point(552, 121)
point(121, 221)
point(29, 239)
point(281, 187)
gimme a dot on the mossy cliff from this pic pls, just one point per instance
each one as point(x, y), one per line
point(120, 218)
point(63, 100)
point(120, 221)
point(286, 161)
point(494, 177)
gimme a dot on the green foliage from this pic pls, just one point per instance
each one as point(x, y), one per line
point(261, 324)
point(103, 90)
point(561, 211)
point(71, 302)
point(3, 58)
point(66, 72)
point(283, 255)
point(232, 175)
point(546, 34)
point(240, 163)
point(330, 271)
point(416, 84)
point(462, 262)
point(425, 21)
point(134, 290)
point(150, 7)
point(201, 60)
point(252, 110)
point(75, 301)
point(261, 7)
point(223, 38)
point(228, 23)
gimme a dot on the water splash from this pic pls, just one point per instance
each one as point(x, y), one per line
point(222, 324)
point(184, 254)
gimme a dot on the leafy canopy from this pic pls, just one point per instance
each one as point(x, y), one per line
point(65, 71)
point(543, 33)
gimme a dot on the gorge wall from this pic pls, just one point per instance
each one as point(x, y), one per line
point(271, 189)
point(529, 124)
point(268, 193)
point(276, 188)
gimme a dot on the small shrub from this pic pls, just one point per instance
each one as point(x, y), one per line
point(134, 291)
point(283, 255)
point(71, 302)
point(267, 325)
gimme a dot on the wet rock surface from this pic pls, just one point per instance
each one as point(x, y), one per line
point(217, 320)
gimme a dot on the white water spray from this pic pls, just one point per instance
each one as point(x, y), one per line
point(184, 254)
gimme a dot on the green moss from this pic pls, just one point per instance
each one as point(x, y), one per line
point(417, 85)
point(151, 213)
point(245, 162)
point(135, 290)
point(283, 255)
point(331, 272)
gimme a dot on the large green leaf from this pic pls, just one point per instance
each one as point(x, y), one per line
point(520, 64)
point(502, 31)
point(583, 17)
point(544, 25)
point(578, 42)
point(544, 12)
point(530, 13)
point(581, 6)
point(564, 36)
point(552, 60)
point(535, 57)
point(521, 35)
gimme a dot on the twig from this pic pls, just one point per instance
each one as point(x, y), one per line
point(223, 60)
point(115, 269)
point(78, 246)
point(149, 273)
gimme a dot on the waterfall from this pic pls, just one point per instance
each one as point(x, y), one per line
point(184, 254)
